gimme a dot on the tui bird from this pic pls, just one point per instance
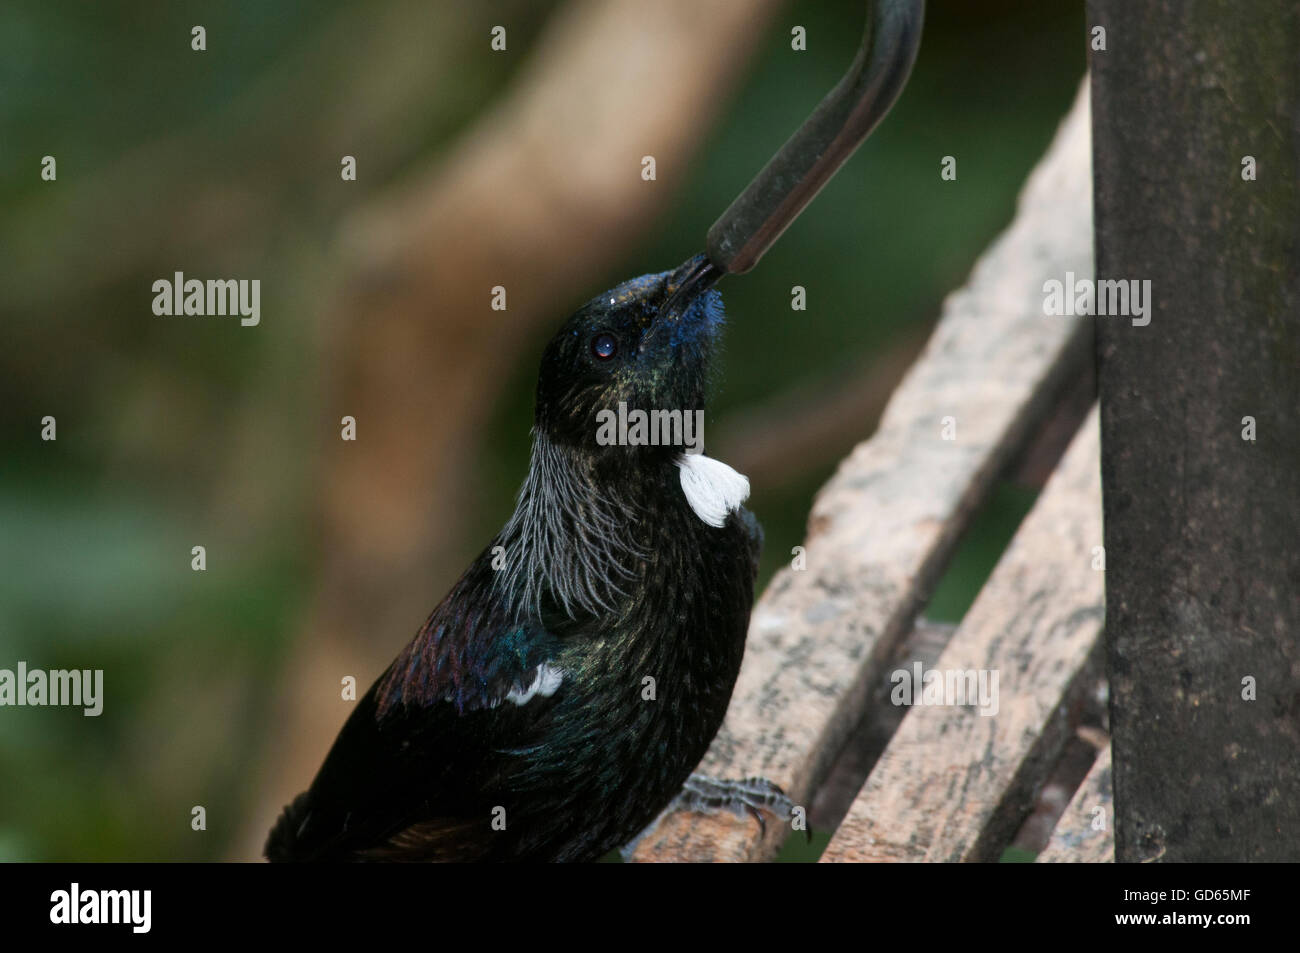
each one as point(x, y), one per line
point(560, 695)
point(555, 702)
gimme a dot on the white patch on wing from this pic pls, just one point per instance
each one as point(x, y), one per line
point(712, 488)
point(545, 684)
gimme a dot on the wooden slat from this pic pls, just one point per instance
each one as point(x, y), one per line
point(954, 784)
point(1075, 840)
point(882, 529)
point(924, 644)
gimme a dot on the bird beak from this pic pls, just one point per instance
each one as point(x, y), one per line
point(691, 279)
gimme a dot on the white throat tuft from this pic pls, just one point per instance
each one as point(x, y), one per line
point(545, 683)
point(712, 488)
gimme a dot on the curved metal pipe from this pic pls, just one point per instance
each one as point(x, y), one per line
point(839, 124)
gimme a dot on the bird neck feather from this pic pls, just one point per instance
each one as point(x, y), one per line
point(570, 542)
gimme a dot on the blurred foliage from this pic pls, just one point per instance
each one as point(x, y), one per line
point(1017, 855)
point(169, 439)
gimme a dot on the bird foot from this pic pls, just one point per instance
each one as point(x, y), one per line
point(754, 797)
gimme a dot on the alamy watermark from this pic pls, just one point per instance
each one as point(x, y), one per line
point(654, 428)
point(132, 908)
point(953, 687)
point(57, 687)
point(216, 296)
point(1108, 297)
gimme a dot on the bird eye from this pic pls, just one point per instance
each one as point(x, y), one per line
point(604, 346)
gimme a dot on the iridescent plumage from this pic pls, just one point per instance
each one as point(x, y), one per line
point(559, 696)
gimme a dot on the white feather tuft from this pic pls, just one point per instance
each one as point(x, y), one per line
point(712, 488)
point(545, 684)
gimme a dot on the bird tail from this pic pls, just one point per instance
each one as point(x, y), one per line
point(284, 844)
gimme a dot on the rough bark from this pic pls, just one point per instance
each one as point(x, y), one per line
point(1202, 541)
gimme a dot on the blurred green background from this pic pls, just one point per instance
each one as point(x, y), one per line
point(172, 434)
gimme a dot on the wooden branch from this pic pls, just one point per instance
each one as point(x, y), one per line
point(956, 782)
point(882, 528)
point(1075, 839)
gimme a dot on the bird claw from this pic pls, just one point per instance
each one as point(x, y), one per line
point(754, 797)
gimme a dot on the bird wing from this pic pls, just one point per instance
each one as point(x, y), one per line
point(408, 774)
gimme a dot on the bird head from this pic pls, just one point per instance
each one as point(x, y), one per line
point(645, 344)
